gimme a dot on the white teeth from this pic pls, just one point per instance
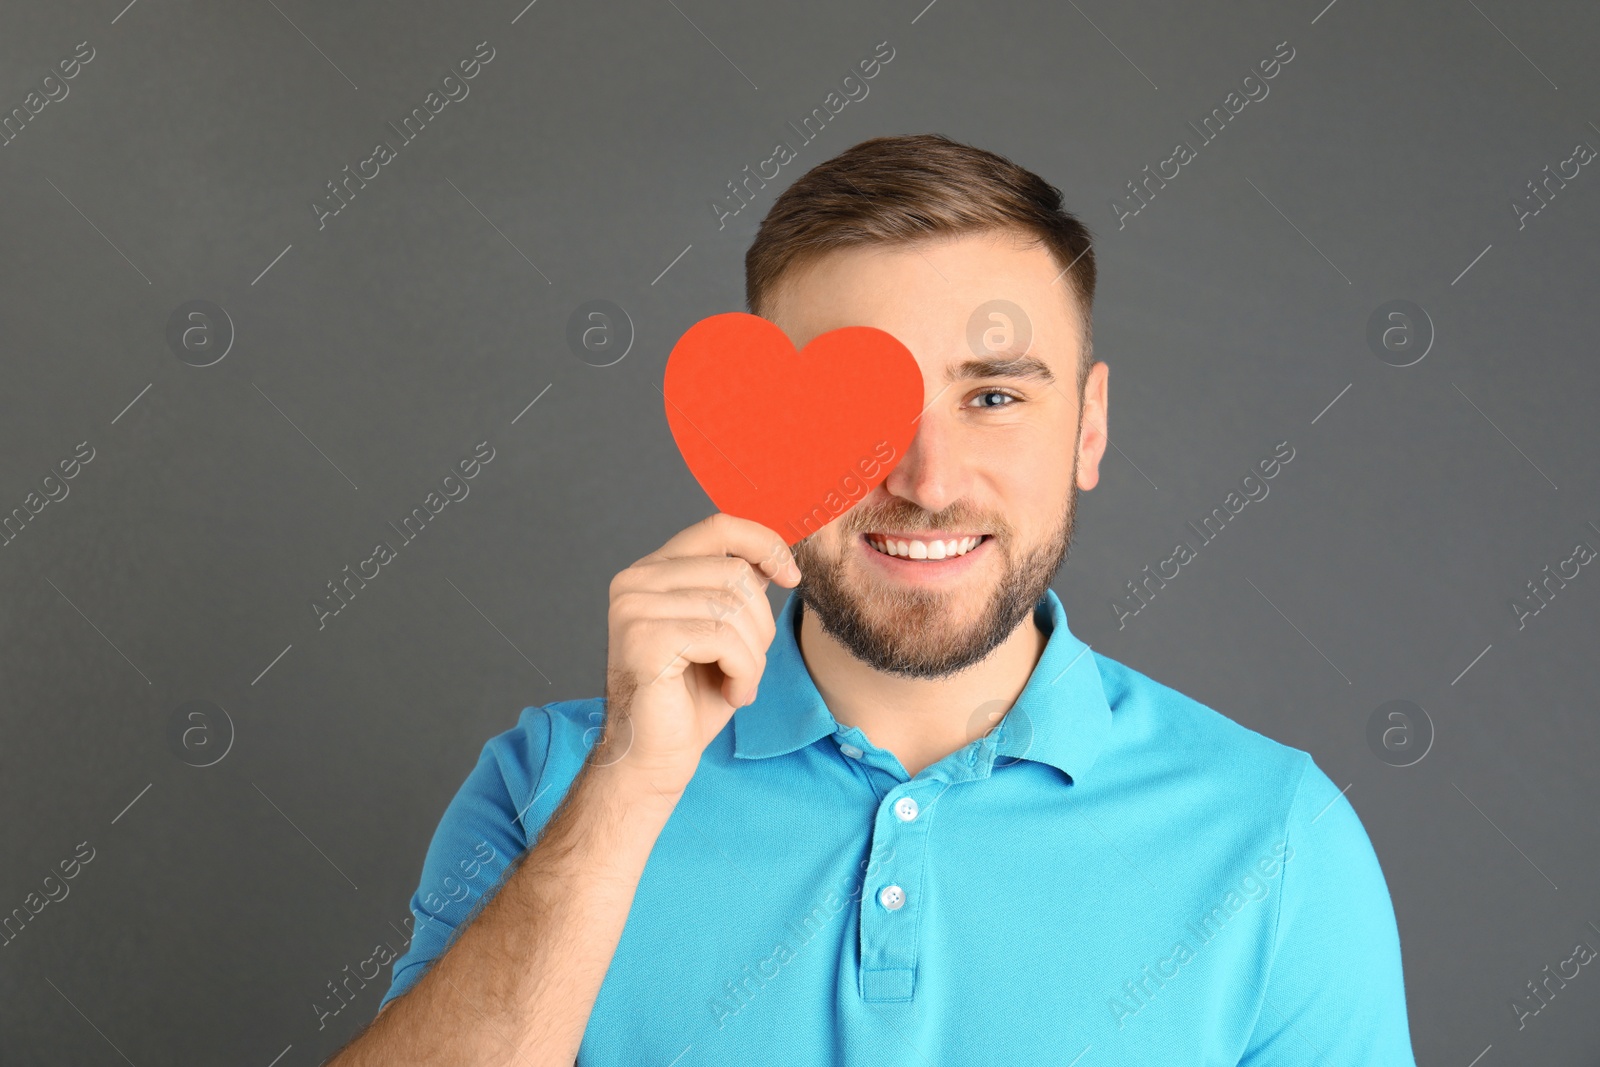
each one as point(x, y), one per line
point(924, 549)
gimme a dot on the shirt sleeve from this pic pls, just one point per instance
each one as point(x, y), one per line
point(481, 832)
point(1335, 989)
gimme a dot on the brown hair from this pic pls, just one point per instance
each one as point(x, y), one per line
point(904, 189)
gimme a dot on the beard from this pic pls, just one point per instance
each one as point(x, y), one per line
point(916, 631)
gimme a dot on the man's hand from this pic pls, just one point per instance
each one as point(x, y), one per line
point(689, 630)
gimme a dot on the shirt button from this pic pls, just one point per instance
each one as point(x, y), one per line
point(850, 750)
point(906, 809)
point(891, 897)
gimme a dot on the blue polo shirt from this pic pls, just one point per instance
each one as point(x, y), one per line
point(1115, 874)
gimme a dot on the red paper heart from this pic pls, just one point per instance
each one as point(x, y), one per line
point(790, 439)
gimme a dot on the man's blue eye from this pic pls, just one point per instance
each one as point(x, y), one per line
point(996, 392)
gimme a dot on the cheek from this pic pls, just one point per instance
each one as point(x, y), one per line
point(1031, 490)
point(817, 551)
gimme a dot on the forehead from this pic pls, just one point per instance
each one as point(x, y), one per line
point(946, 300)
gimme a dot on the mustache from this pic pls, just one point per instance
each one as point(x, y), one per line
point(878, 523)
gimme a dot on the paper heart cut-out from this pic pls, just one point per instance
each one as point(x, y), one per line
point(790, 439)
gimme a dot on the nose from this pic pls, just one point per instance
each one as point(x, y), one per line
point(929, 474)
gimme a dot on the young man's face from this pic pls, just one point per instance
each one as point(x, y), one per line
point(999, 456)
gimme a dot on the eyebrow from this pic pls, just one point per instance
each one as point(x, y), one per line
point(1031, 368)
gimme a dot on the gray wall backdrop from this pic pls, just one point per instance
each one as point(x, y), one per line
point(244, 797)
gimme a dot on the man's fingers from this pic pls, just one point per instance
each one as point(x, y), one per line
point(675, 643)
point(711, 606)
point(719, 584)
point(721, 534)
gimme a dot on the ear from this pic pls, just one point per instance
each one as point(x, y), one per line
point(1092, 437)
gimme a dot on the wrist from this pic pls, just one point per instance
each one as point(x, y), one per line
point(630, 784)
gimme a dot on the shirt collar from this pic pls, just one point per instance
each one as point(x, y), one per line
point(1061, 717)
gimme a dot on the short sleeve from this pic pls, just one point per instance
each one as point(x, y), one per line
point(483, 829)
point(1335, 989)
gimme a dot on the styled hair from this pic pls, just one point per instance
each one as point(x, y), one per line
point(904, 189)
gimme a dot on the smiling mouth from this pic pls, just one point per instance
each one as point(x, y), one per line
point(910, 548)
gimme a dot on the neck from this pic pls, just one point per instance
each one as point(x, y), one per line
point(920, 720)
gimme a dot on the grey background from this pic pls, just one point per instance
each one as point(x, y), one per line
point(430, 313)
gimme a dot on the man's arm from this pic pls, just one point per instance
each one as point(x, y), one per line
point(519, 983)
point(688, 629)
point(1335, 989)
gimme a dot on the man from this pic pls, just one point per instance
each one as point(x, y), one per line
point(913, 819)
